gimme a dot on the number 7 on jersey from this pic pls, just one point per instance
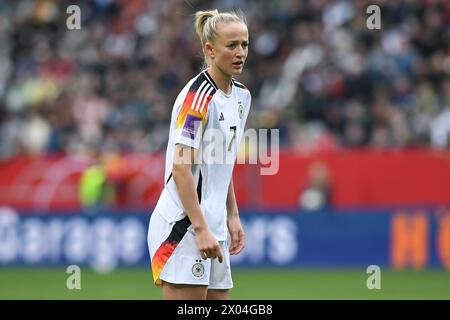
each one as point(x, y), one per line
point(233, 132)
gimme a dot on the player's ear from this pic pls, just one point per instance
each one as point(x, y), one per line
point(209, 50)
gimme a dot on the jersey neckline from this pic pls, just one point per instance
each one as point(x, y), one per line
point(217, 87)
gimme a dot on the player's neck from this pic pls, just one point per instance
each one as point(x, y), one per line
point(222, 80)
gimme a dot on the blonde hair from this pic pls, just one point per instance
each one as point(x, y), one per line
point(206, 24)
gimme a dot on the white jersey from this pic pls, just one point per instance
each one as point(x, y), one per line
point(207, 119)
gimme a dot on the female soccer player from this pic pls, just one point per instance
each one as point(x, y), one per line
point(195, 225)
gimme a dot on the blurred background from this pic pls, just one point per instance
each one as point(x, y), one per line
point(364, 131)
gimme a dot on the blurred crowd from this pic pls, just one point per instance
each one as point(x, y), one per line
point(315, 70)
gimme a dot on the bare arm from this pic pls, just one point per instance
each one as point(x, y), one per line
point(232, 209)
point(234, 222)
point(182, 175)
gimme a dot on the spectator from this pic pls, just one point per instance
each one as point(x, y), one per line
point(317, 193)
point(314, 64)
point(94, 189)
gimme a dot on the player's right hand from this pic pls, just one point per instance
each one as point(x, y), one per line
point(208, 245)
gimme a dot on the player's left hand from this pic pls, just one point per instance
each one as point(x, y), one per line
point(237, 234)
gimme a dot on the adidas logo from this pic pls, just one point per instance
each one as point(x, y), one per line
point(221, 118)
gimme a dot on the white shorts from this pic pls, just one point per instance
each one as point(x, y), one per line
point(176, 258)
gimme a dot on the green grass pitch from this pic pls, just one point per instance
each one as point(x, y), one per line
point(249, 283)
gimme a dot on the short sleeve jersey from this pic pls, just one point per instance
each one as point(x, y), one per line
point(212, 122)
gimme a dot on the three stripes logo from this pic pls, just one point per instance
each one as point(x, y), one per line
point(195, 105)
point(221, 118)
point(202, 96)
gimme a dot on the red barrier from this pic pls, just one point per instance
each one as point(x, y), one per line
point(365, 178)
point(357, 178)
point(52, 182)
